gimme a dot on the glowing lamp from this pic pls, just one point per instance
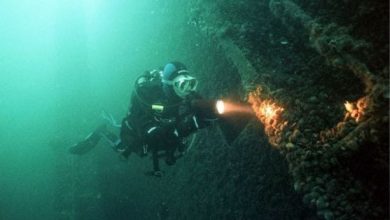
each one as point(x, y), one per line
point(348, 106)
point(268, 111)
point(220, 105)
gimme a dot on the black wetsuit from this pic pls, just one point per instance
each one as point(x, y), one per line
point(156, 122)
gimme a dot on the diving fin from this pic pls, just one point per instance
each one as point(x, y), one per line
point(88, 143)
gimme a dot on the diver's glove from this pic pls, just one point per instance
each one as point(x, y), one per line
point(189, 124)
point(124, 153)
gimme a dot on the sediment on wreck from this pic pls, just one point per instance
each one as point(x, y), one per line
point(333, 130)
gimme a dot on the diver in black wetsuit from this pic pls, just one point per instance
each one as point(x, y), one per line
point(163, 111)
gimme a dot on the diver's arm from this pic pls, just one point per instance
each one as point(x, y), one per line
point(202, 113)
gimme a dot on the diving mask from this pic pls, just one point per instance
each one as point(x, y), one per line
point(183, 84)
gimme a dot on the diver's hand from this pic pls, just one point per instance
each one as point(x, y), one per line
point(123, 154)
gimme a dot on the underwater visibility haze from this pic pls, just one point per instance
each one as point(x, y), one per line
point(310, 80)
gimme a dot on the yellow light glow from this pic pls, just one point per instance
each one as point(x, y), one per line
point(220, 107)
point(269, 114)
point(268, 111)
point(356, 110)
point(348, 106)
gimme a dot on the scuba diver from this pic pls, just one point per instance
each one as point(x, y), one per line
point(164, 109)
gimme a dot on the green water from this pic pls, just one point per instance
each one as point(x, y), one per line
point(61, 64)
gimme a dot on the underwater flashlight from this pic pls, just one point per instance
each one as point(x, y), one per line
point(220, 106)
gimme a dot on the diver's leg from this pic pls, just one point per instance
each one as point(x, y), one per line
point(156, 164)
point(111, 139)
point(170, 156)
